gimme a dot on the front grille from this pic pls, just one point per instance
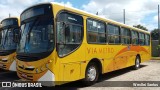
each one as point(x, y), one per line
point(4, 60)
point(29, 69)
point(20, 67)
point(7, 52)
point(26, 58)
point(4, 53)
point(4, 66)
point(30, 57)
point(27, 77)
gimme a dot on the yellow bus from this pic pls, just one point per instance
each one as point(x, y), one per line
point(9, 36)
point(63, 44)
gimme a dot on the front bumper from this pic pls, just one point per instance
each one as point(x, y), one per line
point(46, 78)
point(11, 66)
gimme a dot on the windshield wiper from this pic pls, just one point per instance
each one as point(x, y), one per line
point(28, 34)
point(5, 37)
point(34, 23)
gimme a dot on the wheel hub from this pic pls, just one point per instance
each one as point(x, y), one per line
point(91, 73)
point(137, 62)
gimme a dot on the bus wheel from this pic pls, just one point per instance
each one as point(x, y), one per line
point(91, 74)
point(137, 63)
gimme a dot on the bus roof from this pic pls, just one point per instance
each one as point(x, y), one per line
point(11, 18)
point(92, 15)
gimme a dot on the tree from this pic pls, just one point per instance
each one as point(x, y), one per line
point(140, 27)
point(154, 34)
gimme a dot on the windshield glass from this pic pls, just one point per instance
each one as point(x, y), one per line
point(8, 39)
point(37, 35)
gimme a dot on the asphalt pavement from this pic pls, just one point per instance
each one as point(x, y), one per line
point(149, 71)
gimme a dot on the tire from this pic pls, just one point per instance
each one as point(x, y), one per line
point(91, 74)
point(137, 63)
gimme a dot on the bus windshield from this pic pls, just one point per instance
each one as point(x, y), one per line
point(36, 36)
point(8, 41)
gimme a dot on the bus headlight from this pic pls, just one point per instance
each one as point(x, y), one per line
point(42, 68)
point(47, 65)
point(37, 70)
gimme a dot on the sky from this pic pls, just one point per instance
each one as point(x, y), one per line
point(142, 12)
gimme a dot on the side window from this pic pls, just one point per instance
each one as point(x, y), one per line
point(135, 38)
point(113, 34)
point(69, 32)
point(141, 39)
point(96, 31)
point(125, 36)
point(147, 39)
